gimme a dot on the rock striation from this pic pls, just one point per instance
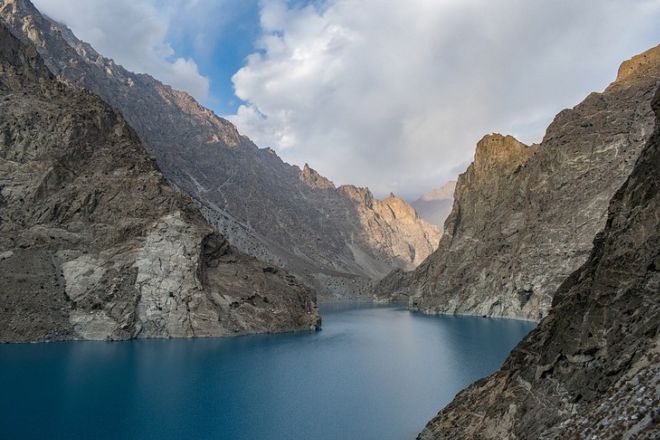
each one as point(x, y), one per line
point(591, 369)
point(435, 205)
point(524, 218)
point(335, 239)
point(96, 244)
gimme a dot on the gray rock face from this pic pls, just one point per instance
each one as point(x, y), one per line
point(336, 239)
point(435, 205)
point(524, 218)
point(591, 369)
point(96, 244)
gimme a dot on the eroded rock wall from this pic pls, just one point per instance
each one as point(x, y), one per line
point(524, 218)
point(96, 244)
point(591, 369)
point(267, 208)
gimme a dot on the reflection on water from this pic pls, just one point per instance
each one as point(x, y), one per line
point(371, 373)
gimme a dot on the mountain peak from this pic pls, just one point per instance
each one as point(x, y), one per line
point(644, 64)
point(400, 207)
point(358, 194)
point(525, 217)
point(496, 151)
point(309, 176)
point(288, 216)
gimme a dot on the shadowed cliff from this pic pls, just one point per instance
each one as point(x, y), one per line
point(96, 244)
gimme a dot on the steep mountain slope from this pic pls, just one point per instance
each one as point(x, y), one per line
point(95, 244)
point(435, 205)
point(336, 239)
point(591, 369)
point(524, 218)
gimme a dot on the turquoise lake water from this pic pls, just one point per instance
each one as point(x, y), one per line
point(371, 373)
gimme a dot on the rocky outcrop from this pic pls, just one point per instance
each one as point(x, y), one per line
point(591, 369)
point(289, 217)
point(96, 244)
point(524, 218)
point(435, 205)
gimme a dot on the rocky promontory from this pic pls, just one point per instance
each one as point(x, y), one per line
point(591, 369)
point(524, 218)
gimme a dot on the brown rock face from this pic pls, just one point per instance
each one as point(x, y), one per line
point(96, 244)
point(524, 218)
point(591, 369)
point(265, 207)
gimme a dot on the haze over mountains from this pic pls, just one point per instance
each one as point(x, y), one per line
point(435, 205)
point(336, 239)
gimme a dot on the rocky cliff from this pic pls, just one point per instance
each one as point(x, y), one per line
point(435, 205)
point(335, 239)
point(524, 218)
point(591, 369)
point(94, 242)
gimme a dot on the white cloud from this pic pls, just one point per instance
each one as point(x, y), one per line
point(133, 33)
point(395, 94)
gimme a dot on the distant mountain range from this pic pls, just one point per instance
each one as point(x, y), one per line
point(435, 205)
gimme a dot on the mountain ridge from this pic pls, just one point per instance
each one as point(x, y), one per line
point(524, 218)
point(590, 369)
point(95, 244)
point(336, 243)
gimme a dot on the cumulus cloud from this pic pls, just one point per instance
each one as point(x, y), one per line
point(133, 33)
point(395, 94)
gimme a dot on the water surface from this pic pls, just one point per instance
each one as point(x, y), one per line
point(371, 373)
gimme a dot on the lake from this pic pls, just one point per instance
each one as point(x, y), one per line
point(371, 373)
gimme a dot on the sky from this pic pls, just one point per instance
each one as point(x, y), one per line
point(389, 94)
